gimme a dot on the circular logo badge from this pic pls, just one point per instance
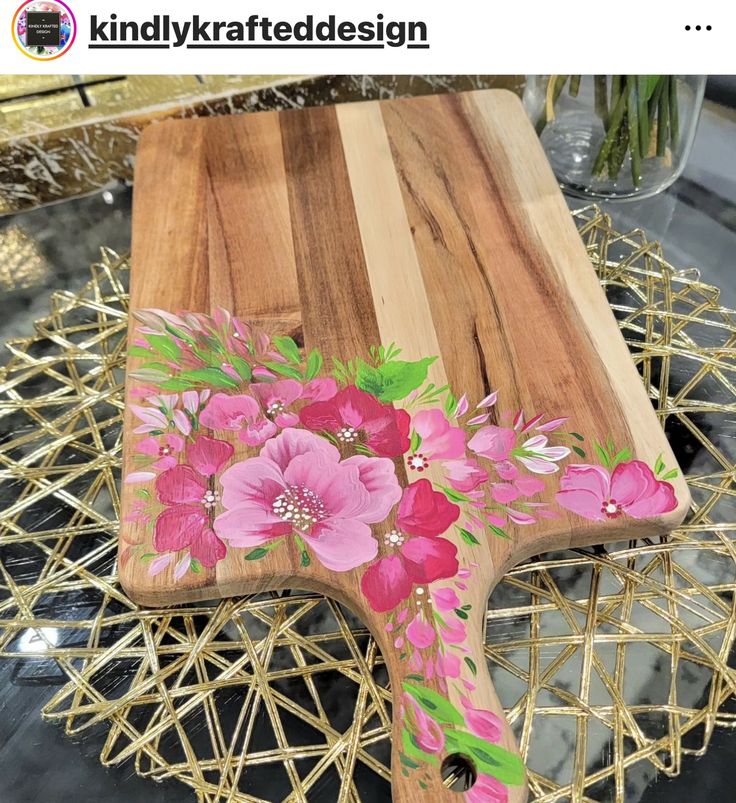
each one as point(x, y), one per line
point(44, 30)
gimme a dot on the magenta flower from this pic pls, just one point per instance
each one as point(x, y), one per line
point(482, 723)
point(299, 486)
point(241, 414)
point(594, 493)
point(464, 475)
point(188, 492)
point(487, 790)
point(355, 417)
point(277, 397)
point(440, 441)
point(424, 514)
point(426, 731)
point(164, 449)
point(493, 442)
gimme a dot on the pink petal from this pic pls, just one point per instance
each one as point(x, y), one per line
point(176, 527)
point(484, 724)
point(258, 431)
point(440, 441)
point(209, 455)
point(489, 400)
point(462, 406)
point(632, 481)
point(464, 475)
point(429, 559)
point(453, 631)
point(149, 446)
point(190, 400)
point(420, 633)
point(150, 416)
point(552, 425)
point(342, 544)
point(661, 501)
point(182, 566)
point(487, 790)
point(183, 424)
point(478, 419)
point(283, 391)
point(180, 484)
point(538, 465)
point(529, 485)
point(493, 442)
point(158, 564)
point(520, 518)
point(259, 372)
point(292, 442)
point(531, 422)
point(229, 412)
point(165, 463)
point(507, 470)
point(581, 477)
point(445, 599)
point(385, 584)
point(378, 476)
point(448, 666)
point(320, 389)
point(584, 503)
point(139, 476)
point(256, 480)
point(208, 549)
point(504, 493)
point(336, 484)
point(250, 525)
point(284, 420)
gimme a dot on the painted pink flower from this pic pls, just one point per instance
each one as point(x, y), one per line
point(447, 666)
point(440, 441)
point(482, 723)
point(299, 486)
point(493, 442)
point(188, 492)
point(594, 493)
point(426, 732)
point(445, 599)
point(424, 514)
point(164, 449)
point(277, 397)
point(487, 790)
point(420, 633)
point(240, 413)
point(355, 417)
point(464, 475)
point(508, 492)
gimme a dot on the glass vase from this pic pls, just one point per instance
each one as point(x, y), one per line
point(615, 136)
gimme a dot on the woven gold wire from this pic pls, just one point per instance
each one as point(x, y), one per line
point(612, 663)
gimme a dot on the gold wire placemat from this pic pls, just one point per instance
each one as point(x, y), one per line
point(612, 663)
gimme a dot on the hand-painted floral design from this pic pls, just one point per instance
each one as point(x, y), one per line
point(248, 444)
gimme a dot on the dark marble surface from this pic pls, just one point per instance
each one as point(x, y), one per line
point(50, 249)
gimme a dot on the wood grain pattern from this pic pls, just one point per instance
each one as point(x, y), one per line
point(434, 223)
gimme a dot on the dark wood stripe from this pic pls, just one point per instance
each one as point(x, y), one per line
point(336, 300)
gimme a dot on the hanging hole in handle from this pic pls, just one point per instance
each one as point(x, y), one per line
point(458, 772)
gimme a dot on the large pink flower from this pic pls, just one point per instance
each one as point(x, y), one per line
point(594, 493)
point(241, 414)
point(188, 491)
point(354, 416)
point(464, 475)
point(440, 441)
point(164, 449)
point(424, 514)
point(425, 730)
point(277, 397)
point(299, 486)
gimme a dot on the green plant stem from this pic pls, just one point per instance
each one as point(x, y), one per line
point(642, 112)
point(574, 85)
point(634, 128)
point(617, 115)
point(615, 90)
point(559, 85)
point(601, 98)
point(674, 115)
point(654, 106)
point(618, 152)
point(663, 118)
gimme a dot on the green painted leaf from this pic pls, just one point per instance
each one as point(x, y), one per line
point(175, 384)
point(471, 665)
point(670, 475)
point(602, 455)
point(210, 376)
point(242, 367)
point(213, 359)
point(143, 493)
point(468, 537)
point(164, 345)
point(416, 441)
point(453, 495)
point(150, 375)
point(257, 553)
point(314, 363)
point(450, 404)
point(195, 566)
point(659, 465)
point(286, 347)
point(393, 380)
point(577, 436)
point(408, 762)
point(413, 751)
point(417, 678)
point(305, 559)
point(434, 704)
point(498, 531)
point(138, 351)
point(284, 370)
point(621, 457)
point(180, 333)
point(578, 451)
point(148, 556)
point(488, 758)
point(460, 613)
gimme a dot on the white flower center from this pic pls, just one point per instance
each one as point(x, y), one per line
point(347, 435)
point(418, 462)
point(275, 408)
point(611, 508)
point(394, 538)
point(299, 506)
point(164, 451)
point(210, 499)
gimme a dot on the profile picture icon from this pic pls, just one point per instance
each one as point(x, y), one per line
point(44, 29)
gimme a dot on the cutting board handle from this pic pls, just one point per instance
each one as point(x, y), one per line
point(434, 754)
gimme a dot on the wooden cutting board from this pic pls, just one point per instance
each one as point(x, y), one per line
point(306, 284)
